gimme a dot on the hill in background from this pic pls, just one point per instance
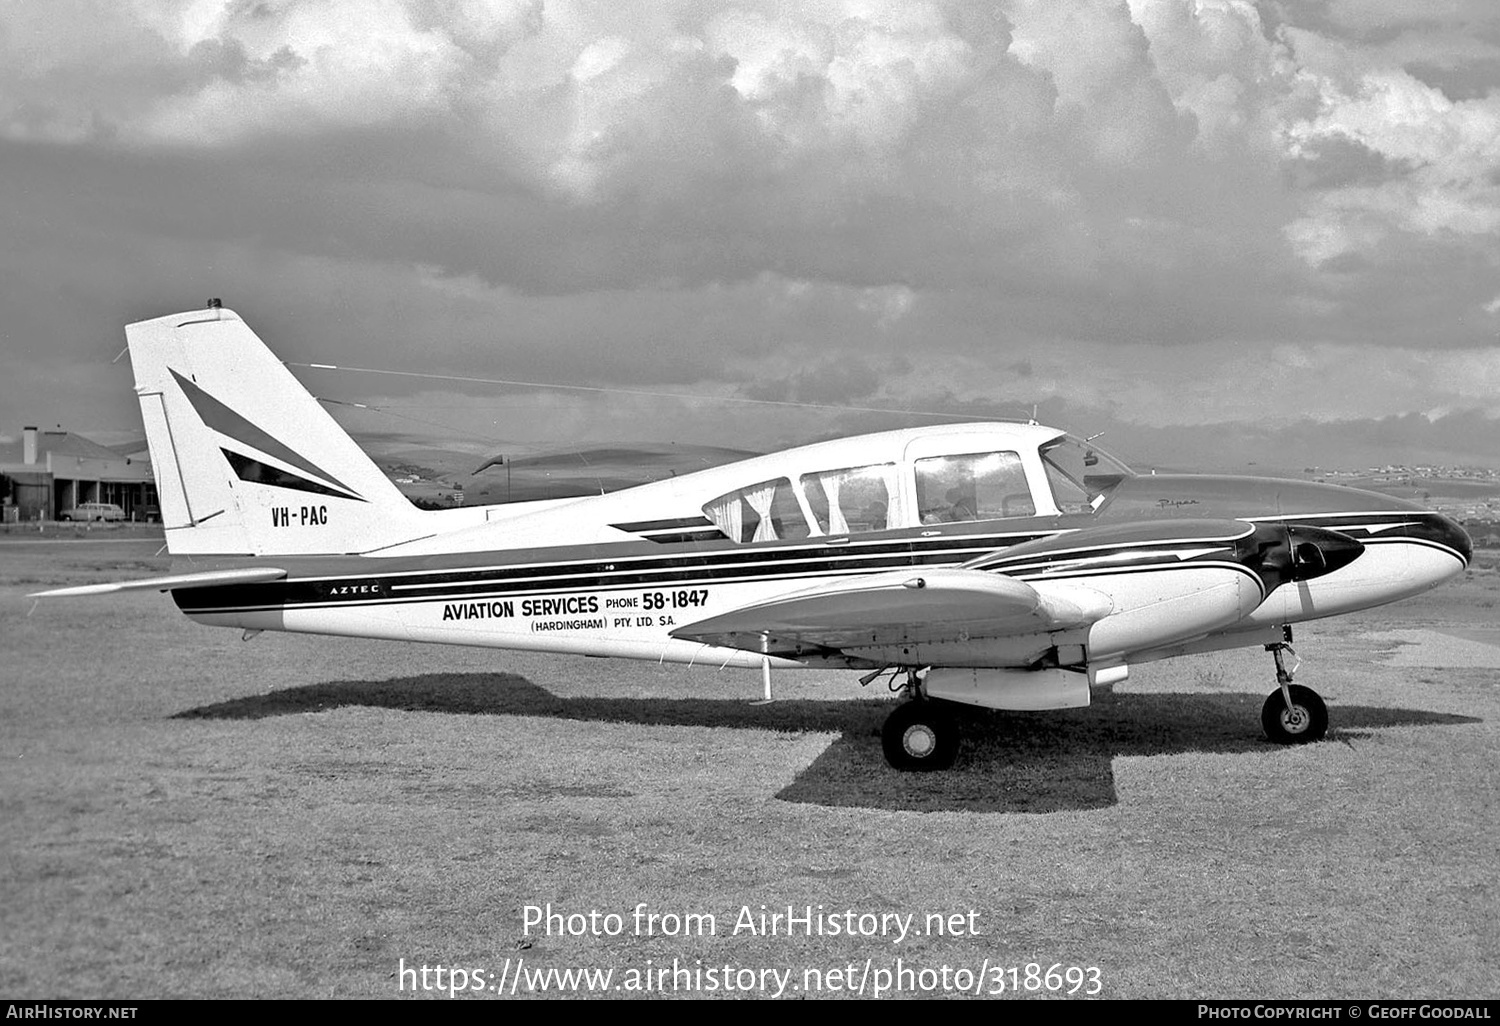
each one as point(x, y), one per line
point(429, 474)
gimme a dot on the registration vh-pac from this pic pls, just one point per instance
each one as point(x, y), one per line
point(997, 565)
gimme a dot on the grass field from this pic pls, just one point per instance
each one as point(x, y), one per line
point(187, 814)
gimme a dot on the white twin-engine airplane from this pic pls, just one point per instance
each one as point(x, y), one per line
point(1007, 566)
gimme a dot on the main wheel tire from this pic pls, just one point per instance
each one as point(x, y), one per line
point(1304, 722)
point(919, 735)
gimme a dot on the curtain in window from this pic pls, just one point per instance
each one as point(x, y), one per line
point(896, 514)
point(837, 522)
point(728, 515)
point(760, 498)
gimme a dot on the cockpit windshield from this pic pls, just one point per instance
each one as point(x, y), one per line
point(1082, 477)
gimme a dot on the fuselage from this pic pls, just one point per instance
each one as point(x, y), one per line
point(1181, 560)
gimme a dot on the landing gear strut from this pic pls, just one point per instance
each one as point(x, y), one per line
point(1293, 714)
point(919, 734)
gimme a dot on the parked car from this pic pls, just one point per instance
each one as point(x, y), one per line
point(93, 511)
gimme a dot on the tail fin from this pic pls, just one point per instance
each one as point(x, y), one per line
point(246, 461)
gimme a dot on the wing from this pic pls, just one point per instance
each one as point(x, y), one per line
point(915, 607)
point(203, 579)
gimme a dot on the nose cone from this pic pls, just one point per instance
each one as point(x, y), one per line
point(1430, 532)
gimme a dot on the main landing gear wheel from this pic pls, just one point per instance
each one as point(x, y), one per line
point(1304, 721)
point(919, 735)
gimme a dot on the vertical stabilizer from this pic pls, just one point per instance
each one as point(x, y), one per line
point(247, 462)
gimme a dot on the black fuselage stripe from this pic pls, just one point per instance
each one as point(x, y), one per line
point(313, 592)
point(704, 571)
point(514, 563)
point(498, 591)
point(1413, 540)
point(683, 539)
point(771, 561)
point(642, 526)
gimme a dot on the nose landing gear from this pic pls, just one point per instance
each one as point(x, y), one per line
point(1292, 714)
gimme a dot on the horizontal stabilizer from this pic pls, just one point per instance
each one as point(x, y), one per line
point(921, 605)
point(205, 579)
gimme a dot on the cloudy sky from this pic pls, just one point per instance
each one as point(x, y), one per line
point(1208, 228)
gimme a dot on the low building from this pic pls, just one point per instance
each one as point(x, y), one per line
point(49, 472)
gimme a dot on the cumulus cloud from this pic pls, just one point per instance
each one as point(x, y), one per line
point(1442, 156)
point(1140, 202)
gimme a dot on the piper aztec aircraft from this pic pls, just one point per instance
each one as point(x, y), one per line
point(1000, 565)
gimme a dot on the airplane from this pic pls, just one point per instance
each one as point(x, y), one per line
point(998, 565)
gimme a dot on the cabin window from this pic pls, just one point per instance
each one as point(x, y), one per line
point(855, 499)
point(1081, 477)
point(974, 486)
point(764, 512)
point(1068, 491)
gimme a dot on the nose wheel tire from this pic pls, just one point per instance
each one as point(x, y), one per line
point(1304, 722)
point(919, 735)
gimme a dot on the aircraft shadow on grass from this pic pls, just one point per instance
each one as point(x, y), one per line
point(1008, 762)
